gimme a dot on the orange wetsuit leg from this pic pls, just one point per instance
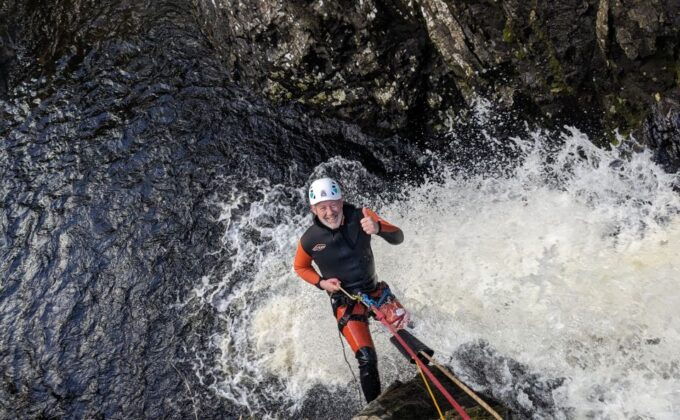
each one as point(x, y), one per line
point(356, 332)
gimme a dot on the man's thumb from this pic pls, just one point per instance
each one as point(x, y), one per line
point(366, 212)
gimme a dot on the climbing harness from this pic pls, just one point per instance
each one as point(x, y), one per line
point(388, 304)
point(421, 358)
point(349, 316)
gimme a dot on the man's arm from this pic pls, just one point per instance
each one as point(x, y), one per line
point(386, 230)
point(303, 267)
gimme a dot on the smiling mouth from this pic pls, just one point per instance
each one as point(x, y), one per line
point(332, 219)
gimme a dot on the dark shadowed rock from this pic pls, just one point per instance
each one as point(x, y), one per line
point(525, 394)
point(408, 66)
point(662, 131)
point(411, 400)
point(369, 62)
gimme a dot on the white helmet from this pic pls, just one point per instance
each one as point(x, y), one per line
point(324, 189)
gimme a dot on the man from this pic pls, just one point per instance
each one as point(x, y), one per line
point(339, 242)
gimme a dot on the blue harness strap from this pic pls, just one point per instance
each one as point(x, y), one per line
point(384, 296)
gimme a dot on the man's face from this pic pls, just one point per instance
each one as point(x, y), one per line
point(329, 213)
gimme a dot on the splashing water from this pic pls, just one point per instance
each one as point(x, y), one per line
point(568, 266)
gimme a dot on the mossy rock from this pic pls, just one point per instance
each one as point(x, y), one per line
point(509, 32)
point(411, 400)
point(478, 413)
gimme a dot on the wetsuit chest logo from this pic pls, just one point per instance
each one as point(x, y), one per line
point(319, 247)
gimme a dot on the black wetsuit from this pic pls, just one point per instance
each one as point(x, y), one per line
point(346, 252)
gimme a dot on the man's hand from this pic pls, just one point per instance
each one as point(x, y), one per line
point(330, 285)
point(369, 226)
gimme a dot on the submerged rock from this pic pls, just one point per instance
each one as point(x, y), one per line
point(492, 376)
point(411, 400)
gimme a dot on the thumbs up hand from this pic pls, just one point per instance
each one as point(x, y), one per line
point(369, 225)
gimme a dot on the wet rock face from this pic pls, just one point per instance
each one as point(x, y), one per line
point(642, 49)
point(662, 130)
point(603, 62)
point(406, 66)
point(7, 57)
point(368, 62)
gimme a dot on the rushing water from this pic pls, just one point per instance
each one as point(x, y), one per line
point(150, 208)
point(552, 287)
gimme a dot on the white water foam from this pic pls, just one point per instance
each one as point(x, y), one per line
point(569, 266)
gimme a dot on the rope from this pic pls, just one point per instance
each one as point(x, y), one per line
point(450, 375)
point(350, 367)
point(381, 317)
point(427, 385)
point(463, 386)
point(342, 343)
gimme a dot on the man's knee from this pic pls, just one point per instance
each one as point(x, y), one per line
point(367, 357)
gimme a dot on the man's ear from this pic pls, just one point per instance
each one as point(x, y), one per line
point(312, 209)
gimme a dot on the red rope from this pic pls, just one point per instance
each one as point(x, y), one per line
point(381, 317)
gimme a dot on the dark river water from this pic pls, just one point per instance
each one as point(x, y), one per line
point(112, 161)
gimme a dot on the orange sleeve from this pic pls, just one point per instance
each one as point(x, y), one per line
point(388, 231)
point(303, 266)
point(385, 226)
